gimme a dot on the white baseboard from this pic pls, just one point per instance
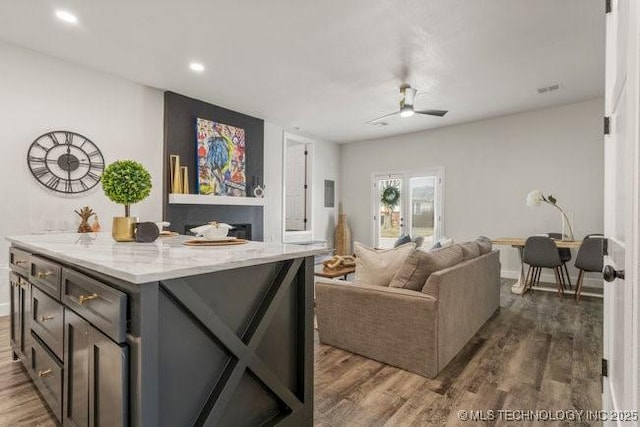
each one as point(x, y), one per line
point(4, 309)
point(550, 278)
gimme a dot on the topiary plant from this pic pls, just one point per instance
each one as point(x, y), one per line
point(126, 182)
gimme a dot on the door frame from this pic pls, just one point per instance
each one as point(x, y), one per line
point(306, 235)
point(438, 171)
point(615, 87)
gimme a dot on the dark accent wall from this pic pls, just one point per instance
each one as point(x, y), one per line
point(180, 114)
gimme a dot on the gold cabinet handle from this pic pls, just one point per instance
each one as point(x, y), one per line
point(83, 298)
point(43, 274)
point(45, 373)
point(21, 261)
point(45, 318)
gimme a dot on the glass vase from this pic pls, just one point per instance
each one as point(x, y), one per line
point(567, 225)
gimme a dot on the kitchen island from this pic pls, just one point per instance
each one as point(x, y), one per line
point(161, 334)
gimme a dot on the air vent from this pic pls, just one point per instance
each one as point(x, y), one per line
point(547, 89)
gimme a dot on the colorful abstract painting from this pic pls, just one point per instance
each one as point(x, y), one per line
point(221, 159)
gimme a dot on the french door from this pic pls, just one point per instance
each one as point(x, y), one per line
point(407, 203)
point(621, 298)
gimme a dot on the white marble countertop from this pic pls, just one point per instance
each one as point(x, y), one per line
point(166, 258)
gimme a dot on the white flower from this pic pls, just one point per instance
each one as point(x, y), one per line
point(535, 198)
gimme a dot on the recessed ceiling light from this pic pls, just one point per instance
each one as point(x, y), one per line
point(196, 66)
point(67, 17)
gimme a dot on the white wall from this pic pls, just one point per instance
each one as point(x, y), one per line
point(326, 165)
point(490, 166)
point(38, 94)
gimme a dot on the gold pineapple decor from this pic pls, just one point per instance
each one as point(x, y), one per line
point(85, 213)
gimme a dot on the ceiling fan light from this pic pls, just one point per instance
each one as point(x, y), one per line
point(406, 112)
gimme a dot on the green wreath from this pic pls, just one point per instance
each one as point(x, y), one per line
point(390, 196)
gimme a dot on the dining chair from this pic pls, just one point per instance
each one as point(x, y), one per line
point(565, 257)
point(589, 259)
point(541, 252)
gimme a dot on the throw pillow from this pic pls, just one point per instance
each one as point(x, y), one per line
point(420, 264)
point(470, 250)
point(402, 240)
point(485, 244)
point(445, 243)
point(442, 243)
point(377, 267)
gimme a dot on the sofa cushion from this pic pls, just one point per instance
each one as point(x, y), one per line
point(378, 266)
point(485, 244)
point(420, 264)
point(470, 250)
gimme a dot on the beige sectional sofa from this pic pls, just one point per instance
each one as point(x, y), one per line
point(420, 331)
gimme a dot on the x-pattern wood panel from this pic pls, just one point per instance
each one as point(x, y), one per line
point(243, 349)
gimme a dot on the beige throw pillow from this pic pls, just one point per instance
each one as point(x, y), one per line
point(419, 265)
point(470, 250)
point(378, 266)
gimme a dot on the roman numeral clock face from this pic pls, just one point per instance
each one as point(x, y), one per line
point(65, 162)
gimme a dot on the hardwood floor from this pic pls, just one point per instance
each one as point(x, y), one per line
point(537, 352)
point(20, 403)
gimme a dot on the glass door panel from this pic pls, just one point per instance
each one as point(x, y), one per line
point(422, 208)
point(389, 211)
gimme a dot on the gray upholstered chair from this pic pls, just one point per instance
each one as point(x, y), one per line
point(565, 257)
point(540, 252)
point(589, 258)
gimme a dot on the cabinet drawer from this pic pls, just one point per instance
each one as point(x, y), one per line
point(47, 320)
point(45, 275)
point(19, 261)
point(101, 305)
point(46, 372)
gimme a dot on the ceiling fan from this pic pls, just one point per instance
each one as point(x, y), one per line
point(407, 98)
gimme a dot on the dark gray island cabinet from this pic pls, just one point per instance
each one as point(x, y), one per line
point(160, 334)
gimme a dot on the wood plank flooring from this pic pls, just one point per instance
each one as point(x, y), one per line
point(20, 403)
point(537, 352)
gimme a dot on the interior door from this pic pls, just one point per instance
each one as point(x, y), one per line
point(620, 386)
point(296, 187)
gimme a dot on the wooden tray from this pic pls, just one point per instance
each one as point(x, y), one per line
point(168, 234)
point(228, 242)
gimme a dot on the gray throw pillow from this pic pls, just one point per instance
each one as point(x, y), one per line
point(437, 245)
point(420, 264)
point(402, 240)
point(470, 250)
point(485, 244)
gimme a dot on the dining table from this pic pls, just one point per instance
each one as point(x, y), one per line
point(518, 243)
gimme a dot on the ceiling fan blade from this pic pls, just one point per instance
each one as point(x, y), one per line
point(438, 113)
point(379, 119)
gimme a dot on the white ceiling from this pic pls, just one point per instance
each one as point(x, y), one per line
point(330, 66)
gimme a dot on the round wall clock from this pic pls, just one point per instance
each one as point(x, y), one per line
point(66, 162)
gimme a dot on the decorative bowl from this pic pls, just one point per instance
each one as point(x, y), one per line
point(213, 233)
